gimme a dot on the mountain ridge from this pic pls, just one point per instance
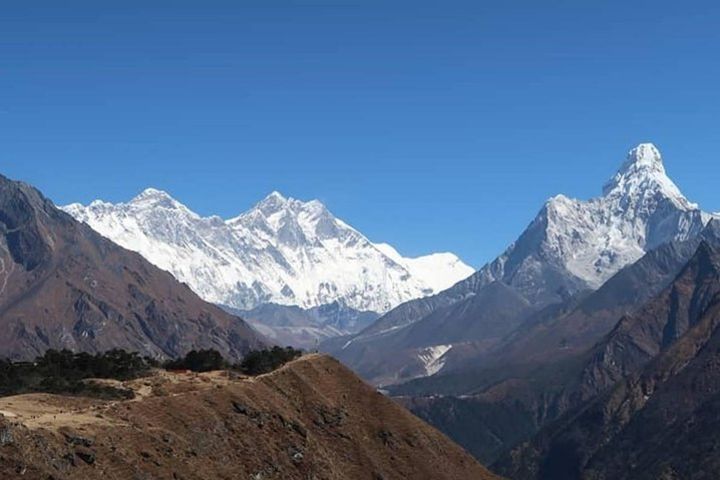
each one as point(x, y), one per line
point(282, 251)
point(307, 420)
point(654, 373)
point(63, 285)
point(570, 247)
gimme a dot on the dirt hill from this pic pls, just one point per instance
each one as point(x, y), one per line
point(312, 419)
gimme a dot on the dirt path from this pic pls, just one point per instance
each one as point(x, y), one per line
point(52, 412)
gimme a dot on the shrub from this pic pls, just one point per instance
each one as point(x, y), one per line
point(258, 362)
point(199, 361)
point(64, 372)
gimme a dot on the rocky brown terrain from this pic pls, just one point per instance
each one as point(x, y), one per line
point(311, 419)
point(62, 285)
point(658, 418)
point(490, 410)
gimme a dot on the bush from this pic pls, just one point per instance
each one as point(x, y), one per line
point(258, 362)
point(255, 362)
point(198, 361)
point(64, 372)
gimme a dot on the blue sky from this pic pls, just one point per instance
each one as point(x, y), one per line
point(428, 125)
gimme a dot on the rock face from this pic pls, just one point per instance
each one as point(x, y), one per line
point(62, 285)
point(312, 419)
point(582, 321)
point(571, 247)
point(640, 337)
point(588, 242)
point(282, 251)
point(491, 401)
point(659, 418)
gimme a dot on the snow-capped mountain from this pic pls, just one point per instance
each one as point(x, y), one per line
point(438, 270)
point(571, 246)
point(589, 241)
point(282, 251)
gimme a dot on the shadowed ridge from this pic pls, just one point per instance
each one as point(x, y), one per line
point(62, 285)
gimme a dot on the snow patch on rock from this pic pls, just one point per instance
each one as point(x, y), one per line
point(433, 358)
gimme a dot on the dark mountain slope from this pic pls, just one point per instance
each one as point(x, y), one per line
point(543, 387)
point(62, 285)
point(659, 420)
point(638, 338)
point(403, 353)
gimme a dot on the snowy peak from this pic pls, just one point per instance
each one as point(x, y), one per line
point(575, 244)
point(440, 270)
point(282, 251)
point(643, 175)
point(150, 194)
point(273, 203)
point(294, 221)
point(152, 197)
point(644, 156)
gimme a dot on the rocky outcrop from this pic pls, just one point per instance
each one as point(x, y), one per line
point(656, 386)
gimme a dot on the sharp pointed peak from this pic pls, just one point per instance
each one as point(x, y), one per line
point(271, 203)
point(643, 157)
point(276, 201)
point(156, 198)
point(275, 195)
point(151, 192)
point(644, 171)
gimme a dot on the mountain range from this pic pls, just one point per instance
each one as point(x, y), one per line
point(570, 249)
point(657, 387)
point(586, 351)
point(281, 253)
point(64, 286)
point(612, 376)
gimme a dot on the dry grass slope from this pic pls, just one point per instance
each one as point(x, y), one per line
point(312, 419)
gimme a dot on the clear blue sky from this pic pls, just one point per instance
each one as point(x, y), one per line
point(429, 125)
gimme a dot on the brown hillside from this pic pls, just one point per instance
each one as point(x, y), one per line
point(312, 419)
point(63, 285)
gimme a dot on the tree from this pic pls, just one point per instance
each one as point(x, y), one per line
point(258, 362)
point(199, 361)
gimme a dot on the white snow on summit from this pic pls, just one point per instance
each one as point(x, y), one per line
point(440, 270)
point(282, 251)
point(641, 208)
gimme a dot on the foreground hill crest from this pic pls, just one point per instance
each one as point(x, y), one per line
point(309, 420)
